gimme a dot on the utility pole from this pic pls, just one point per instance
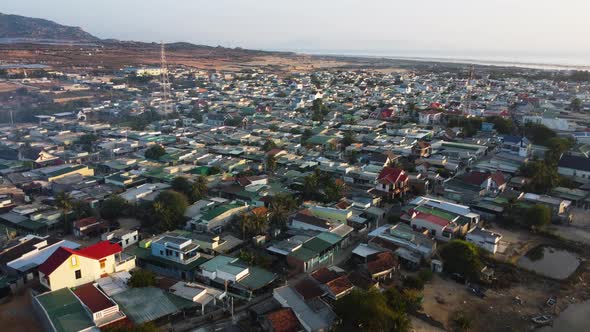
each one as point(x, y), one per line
point(165, 82)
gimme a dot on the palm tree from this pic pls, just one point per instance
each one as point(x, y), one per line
point(199, 189)
point(280, 207)
point(64, 201)
point(244, 221)
point(271, 164)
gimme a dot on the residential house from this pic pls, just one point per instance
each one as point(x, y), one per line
point(392, 182)
point(22, 258)
point(520, 146)
point(123, 237)
point(103, 309)
point(574, 167)
point(484, 239)
point(71, 268)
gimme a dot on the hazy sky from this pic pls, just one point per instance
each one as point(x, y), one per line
point(510, 28)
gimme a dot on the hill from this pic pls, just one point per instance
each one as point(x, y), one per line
point(26, 28)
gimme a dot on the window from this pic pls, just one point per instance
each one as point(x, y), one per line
point(161, 252)
point(135, 237)
point(102, 263)
point(73, 261)
point(176, 252)
point(78, 274)
point(127, 241)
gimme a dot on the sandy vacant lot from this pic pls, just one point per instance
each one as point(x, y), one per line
point(17, 315)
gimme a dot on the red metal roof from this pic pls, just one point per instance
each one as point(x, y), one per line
point(392, 175)
point(94, 299)
point(55, 260)
point(97, 251)
point(100, 250)
point(430, 218)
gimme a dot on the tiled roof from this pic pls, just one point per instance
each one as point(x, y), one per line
point(308, 289)
point(383, 261)
point(339, 285)
point(283, 320)
point(476, 178)
point(323, 275)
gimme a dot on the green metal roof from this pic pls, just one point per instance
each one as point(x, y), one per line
point(329, 237)
point(215, 212)
point(303, 254)
point(317, 245)
point(146, 255)
point(320, 139)
point(257, 278)
point(65, 311)
point(214, 263)
point(65, 170)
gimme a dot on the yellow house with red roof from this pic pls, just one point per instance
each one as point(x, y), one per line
point(72, 268)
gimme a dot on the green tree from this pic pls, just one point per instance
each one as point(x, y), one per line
point(557, 146)
point(280, 207)
point(462, 322)
point(81, 209)
point(87, 141)
point(199, 189)
point(576, 105)
point(253, 224)
point(334, 191)
point(271, 164)
point(537, 216)
point(142, 278)
point(269, 145)
point(307, 134)
point(543, 176)
point(155, 152)
point(369, 311)
point(65, 203)
point(348, 139)
point(502, 125)
point(461, 257)
point(184, 186)
point(114, 207)
point(404, 300)
point(538, 133)
point(310, 186)
point(168, 210)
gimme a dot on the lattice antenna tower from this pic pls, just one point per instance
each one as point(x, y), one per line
point(469, 87)
point(165, 82)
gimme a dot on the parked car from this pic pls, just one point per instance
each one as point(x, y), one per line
point(458, 278)
point(542, 319)
point(476, 290)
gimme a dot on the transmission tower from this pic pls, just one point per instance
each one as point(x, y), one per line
point(469, 87)
point(165, 82)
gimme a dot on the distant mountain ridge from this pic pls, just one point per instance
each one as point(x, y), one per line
point(26, 28)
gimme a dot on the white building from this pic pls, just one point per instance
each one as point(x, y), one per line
point(124, 237)
point(484, 239)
